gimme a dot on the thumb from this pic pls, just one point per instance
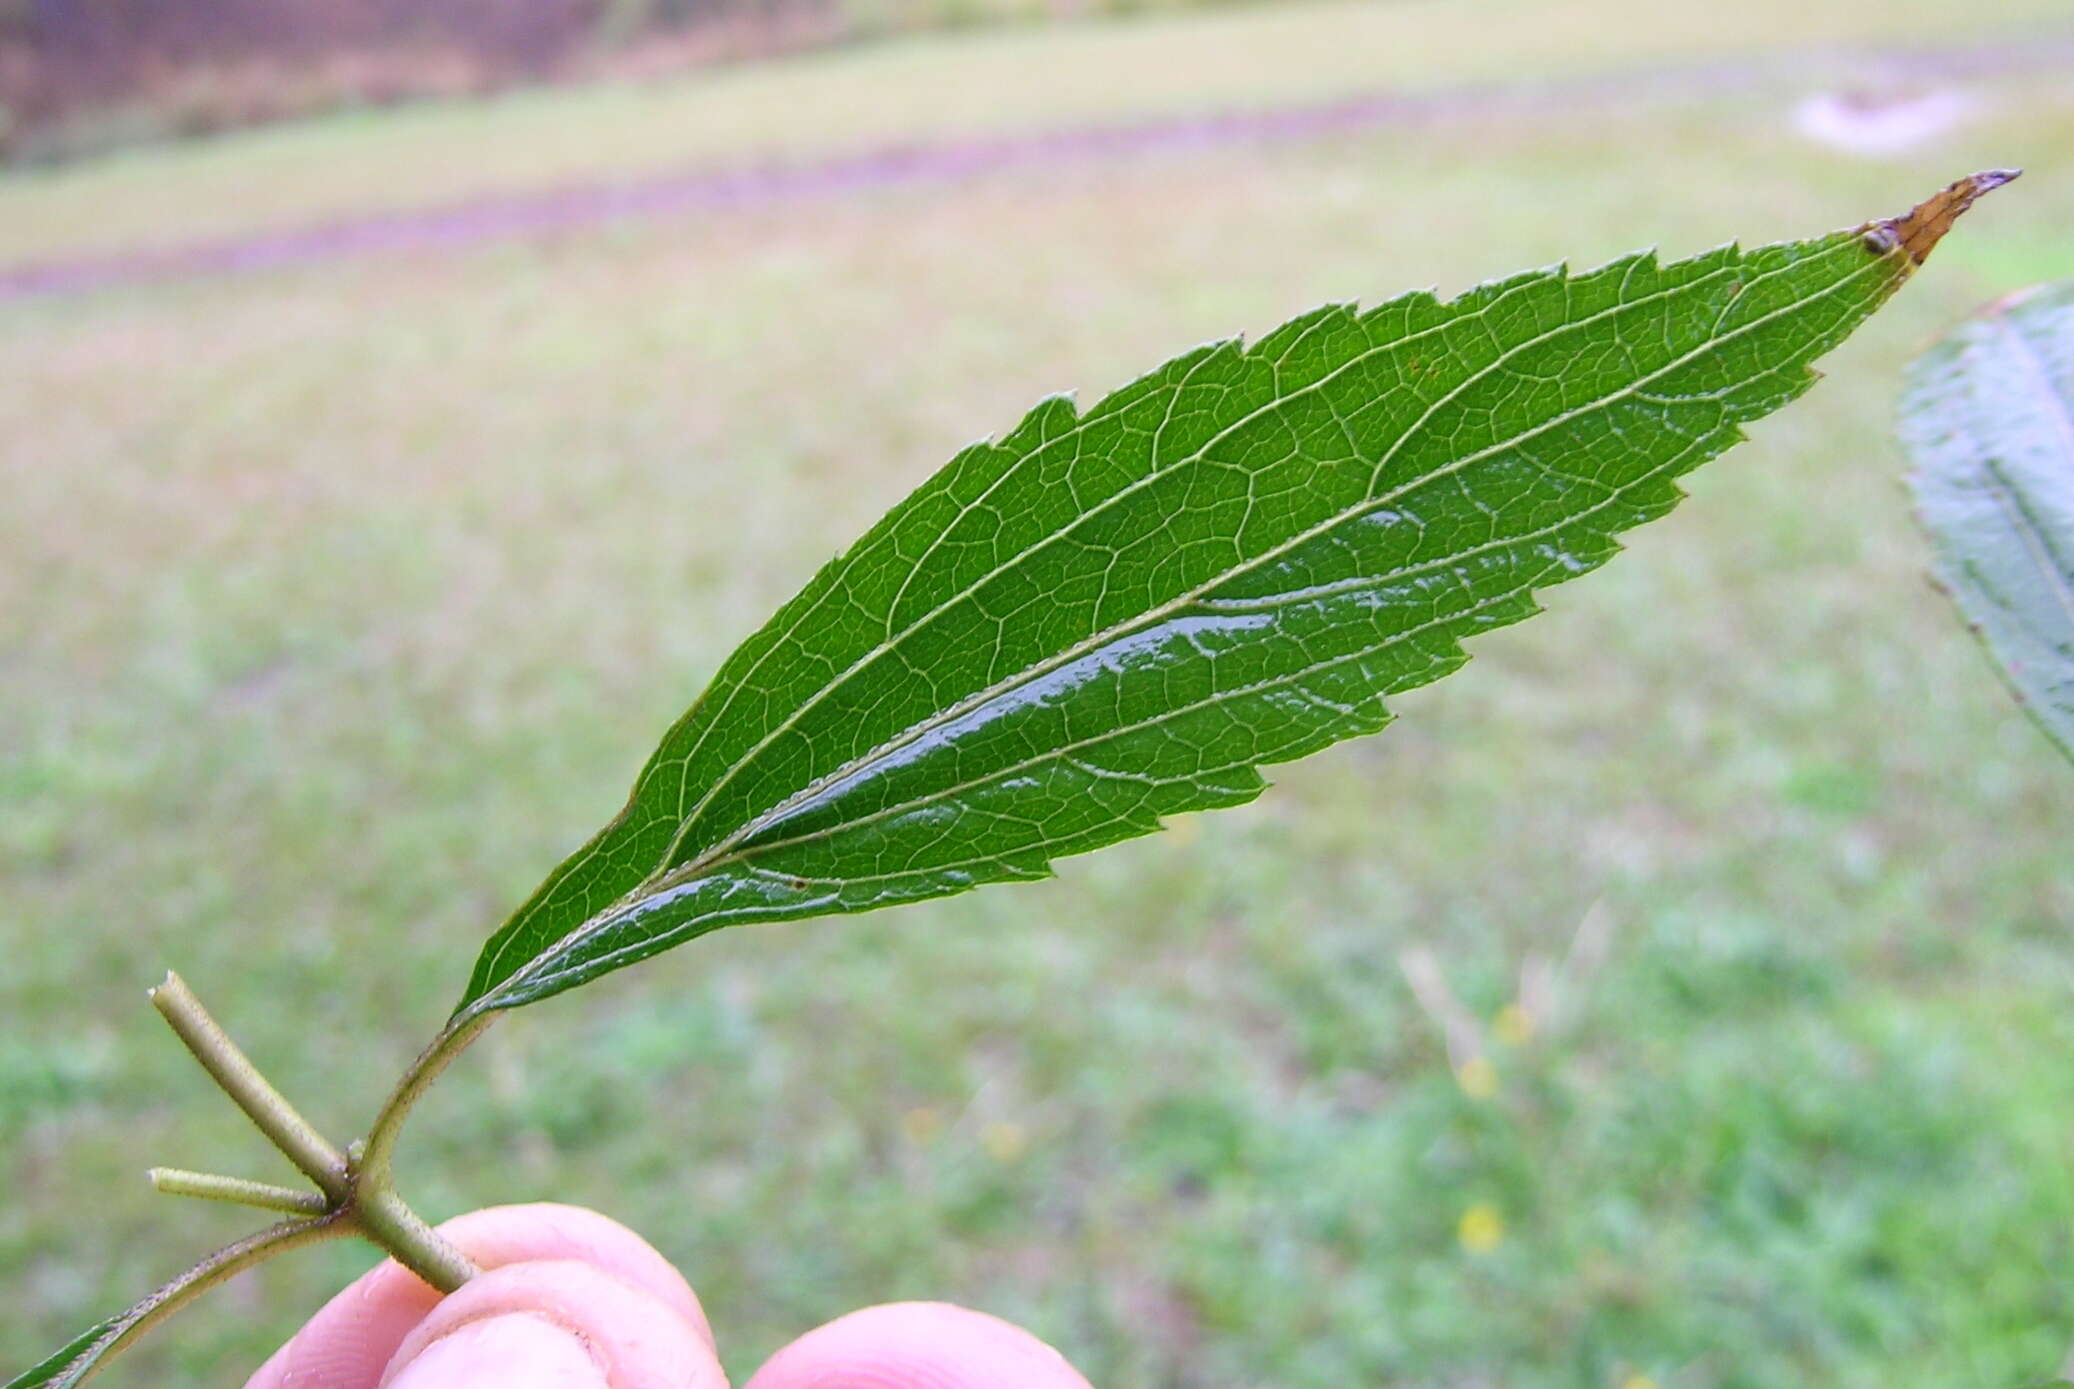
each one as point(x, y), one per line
point(512, 1350)
point(553, 1325)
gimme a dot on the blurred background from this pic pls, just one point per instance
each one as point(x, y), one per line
point(406, 407)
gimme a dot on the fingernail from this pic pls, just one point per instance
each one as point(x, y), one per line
point(514, 1351)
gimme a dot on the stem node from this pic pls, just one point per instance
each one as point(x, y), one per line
point(312, 1153)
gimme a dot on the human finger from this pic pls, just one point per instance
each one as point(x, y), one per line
point(349, 1342)
point(554, 1324)
point(917, 1345)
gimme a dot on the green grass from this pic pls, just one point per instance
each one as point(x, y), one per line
point(337, 605)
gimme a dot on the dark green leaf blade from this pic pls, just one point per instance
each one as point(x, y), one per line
point(1110, 617)
point(1988, 417)
point(76, 1360)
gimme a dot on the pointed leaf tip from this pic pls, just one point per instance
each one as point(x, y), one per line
point(1918, 230)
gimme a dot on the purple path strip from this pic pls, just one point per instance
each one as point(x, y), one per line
point(583, 205)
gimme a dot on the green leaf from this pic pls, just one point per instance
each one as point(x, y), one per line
point(1113, 616)
point(1988, 417)
point(77, 1360)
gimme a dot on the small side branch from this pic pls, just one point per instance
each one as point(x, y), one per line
point(356, 1194)
point(175, 1181)
point(356, 1189)
point(287, 1130)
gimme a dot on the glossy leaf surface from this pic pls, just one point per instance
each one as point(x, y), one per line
point(1988, 417)
point(1114, 615)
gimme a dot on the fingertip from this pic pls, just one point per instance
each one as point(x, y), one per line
point(573, 1322)
point(918, 1345)
point(515, 1350)
point(544, 1230)
point(345, 1345)
point(350, 1340)
point(272, 1374)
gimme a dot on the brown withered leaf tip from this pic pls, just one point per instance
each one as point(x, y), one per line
point(1919, 230)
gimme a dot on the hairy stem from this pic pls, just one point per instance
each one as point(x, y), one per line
point(356, 1194)
point(375, 1161)
point(358, 1189)
point(176, 1181)
point(381, 1212)
point(387, 1221)
point(224, 1263)
point(287, 1130)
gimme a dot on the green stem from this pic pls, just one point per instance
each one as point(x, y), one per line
point(224, 1263)
point(383, 1215)
point(360, 1189)
point(386, 1220)
point(376, 1160)
point(176, 1181)
point(357, 1194)
point(287, 1130)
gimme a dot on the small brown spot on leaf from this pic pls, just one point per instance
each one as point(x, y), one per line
point(1919, 230)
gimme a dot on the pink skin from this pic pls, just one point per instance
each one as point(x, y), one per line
point(571, 1300)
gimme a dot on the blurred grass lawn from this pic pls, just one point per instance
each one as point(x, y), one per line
point(339, 604)
point(916, 89)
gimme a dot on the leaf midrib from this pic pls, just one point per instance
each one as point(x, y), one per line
point(664, 878)
point(893, 639)
point(663, 871)
point(1613, 495)
point(745, 860)
point(1152, 616)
